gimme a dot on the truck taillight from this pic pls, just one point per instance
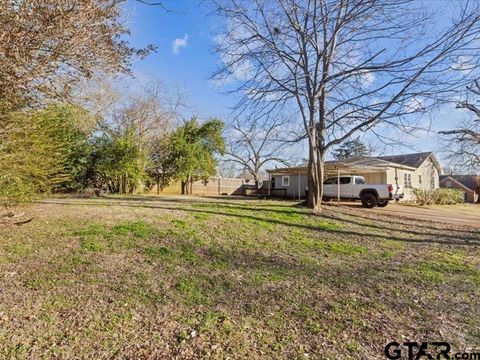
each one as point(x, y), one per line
point(390, 188)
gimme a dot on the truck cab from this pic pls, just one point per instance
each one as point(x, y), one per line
point(355, 187)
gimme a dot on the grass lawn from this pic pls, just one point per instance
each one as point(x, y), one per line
point(158, 277)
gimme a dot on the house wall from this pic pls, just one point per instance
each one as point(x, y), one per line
point(472, 197)
point(427, 171)
point(370, 178)
point(292, 189)
point(396, 176)
point(375, 178)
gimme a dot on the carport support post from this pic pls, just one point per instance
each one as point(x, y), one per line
point(269, 182)
point(298, 186)
point(338, 185)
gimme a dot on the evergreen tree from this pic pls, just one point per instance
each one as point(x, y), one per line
point(351, 149)
point(41, 151)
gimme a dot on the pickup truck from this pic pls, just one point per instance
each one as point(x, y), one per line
point(355, 187)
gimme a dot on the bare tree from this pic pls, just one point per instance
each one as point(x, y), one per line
point(463, 143)
point(227, 169)
point(252, 146)
point(343, 66)
point(47, 46)
point(151, 111)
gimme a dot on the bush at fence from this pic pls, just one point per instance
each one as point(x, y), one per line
point(438, 196)
point(449, 196)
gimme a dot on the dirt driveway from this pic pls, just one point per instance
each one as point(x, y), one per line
point(455, 214)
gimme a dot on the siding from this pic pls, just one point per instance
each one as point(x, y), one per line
point(428, 173)
point(375, 178)
point(292, 189)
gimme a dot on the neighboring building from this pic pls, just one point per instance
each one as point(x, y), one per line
point(465, 183)
point(419, 170)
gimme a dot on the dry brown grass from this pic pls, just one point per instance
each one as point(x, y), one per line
point(466, 209)
point(148, 277)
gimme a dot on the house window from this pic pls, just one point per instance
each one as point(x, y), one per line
point(420, 179)
point(448, 184)
point(407, 179)
point(432, 181)
point(285, 180)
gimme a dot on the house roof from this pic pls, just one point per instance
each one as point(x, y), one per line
point(362, 161)
point(379, 163)
point(413, 160)
point(465, 180)
point(351, 165)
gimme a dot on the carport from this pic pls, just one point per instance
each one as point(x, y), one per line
point(347, 168)
point(374, 171)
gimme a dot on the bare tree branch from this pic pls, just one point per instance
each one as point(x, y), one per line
point(344, 66)
point(463, 143)
point(252, 146)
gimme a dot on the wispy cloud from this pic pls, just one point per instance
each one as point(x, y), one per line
point(179, 44)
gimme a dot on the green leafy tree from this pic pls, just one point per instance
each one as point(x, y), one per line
point(351, 149)
point(192, 150)
point(119, 162)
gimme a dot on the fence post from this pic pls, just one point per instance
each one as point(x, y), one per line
point(219, 185)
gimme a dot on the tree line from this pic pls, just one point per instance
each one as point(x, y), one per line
point(54, 139)
point(315, 71)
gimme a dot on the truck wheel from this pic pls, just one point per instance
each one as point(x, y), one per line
point(382, 203)
point(369, 200)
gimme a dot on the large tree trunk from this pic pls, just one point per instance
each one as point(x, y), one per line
point(183, 186)
point(187, 186)
point(315, 175)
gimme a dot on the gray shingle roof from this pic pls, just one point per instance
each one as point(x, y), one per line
point(466, 180)
point(413, 160)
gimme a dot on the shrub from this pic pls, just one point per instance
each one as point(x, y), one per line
point(438, 196)
point(449, 196)
point(40, 151)
point(425, 197)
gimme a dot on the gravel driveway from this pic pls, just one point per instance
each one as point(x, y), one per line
point(448, 214)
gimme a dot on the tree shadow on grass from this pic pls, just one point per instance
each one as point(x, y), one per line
point(294, 207)
point(429, 238)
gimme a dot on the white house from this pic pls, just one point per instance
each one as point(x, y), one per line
point(418, 170)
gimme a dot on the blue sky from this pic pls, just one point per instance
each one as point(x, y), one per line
point(192, 61)
point(190, 66)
